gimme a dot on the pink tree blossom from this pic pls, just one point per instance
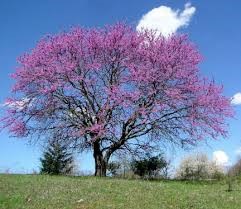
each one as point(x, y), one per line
point(105, 89)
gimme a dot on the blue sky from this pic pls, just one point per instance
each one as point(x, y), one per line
point(214, 26)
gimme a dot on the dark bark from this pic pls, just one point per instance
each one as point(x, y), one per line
point(100, 161)
point(100, 166)
point(102, 156)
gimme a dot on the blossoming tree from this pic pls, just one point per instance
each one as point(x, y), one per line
point(115, 88)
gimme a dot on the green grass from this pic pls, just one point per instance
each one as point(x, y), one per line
point(36, 191)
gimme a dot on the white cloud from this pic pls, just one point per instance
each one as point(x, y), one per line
point(165, 20)
point(238, 151)
point(236, 99)
point(220, 158)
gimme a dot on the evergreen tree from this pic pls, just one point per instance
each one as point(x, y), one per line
point(56, 159)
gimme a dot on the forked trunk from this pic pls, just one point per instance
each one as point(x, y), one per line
point(100, 161)
point(100, 166)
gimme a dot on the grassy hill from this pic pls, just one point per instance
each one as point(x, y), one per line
point(35, 191)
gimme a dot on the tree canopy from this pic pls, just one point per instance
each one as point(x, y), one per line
point(105, 88)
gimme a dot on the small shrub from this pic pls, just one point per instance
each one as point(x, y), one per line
point(198, 167)
point(150, 167)
point(113, 168)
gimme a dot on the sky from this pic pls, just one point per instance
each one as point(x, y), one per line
point(214, 27)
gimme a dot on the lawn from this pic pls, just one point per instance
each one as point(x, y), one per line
point(36, 191)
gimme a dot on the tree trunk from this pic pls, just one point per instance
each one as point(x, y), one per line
point(100, 161)
point(100, 166)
